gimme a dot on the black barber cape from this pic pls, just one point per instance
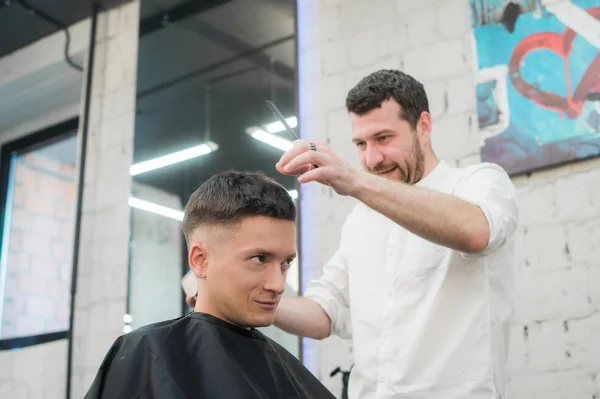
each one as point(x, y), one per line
point(200, 356)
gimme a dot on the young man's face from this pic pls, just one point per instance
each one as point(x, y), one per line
point(387, 145)
point(246, 270)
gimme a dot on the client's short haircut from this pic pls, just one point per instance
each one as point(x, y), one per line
point(227, 198)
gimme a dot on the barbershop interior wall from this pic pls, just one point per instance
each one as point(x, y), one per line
point(155, 259)
point(555, 347)
point(28, 372)
point(31, 371)
point(40, 371)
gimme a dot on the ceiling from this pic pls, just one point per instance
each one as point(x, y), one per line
point(20, 27)
point(243, 50)
point(244, 53)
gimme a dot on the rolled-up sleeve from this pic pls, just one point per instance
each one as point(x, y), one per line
point(489, 187)
point(330, 291)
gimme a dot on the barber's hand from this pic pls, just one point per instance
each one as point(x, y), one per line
point(331, 169)
point(191, 301)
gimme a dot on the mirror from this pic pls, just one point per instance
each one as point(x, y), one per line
point(204, 74)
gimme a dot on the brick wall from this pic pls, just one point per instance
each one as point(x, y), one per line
point(555, 348)
point(38, 279)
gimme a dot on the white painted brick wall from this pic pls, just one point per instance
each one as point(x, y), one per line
point(555, 351)
point(555, 347)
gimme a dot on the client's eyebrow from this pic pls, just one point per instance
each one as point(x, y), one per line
point(267, 253)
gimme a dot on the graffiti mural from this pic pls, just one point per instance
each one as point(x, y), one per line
point(537, 84)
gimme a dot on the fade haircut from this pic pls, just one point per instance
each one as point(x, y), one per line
point(227, 198)
point(384, 84)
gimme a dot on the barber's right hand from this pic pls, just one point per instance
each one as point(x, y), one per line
point(191, 301)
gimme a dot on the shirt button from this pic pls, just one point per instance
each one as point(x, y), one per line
point(381, 380)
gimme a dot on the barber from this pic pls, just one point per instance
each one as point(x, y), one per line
point(422, 279)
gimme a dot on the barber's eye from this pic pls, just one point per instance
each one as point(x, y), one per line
point(260, 258)
point(383, 138)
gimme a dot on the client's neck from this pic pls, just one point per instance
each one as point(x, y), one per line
point(203, 305)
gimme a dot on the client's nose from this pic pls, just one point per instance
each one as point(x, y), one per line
point(275, 280)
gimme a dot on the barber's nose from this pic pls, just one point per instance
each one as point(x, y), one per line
point(275, 280)
point(373, 157)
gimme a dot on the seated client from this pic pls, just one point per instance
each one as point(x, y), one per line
point(241, 238)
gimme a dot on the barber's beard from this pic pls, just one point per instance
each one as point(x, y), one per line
point(418, 163)
point(412, 170)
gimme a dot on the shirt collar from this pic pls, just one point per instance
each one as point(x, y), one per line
point(436, 176)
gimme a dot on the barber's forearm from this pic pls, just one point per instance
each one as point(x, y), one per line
point(441, 218)
point(302, 316)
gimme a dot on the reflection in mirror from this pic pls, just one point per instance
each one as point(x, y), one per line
point(204, 74)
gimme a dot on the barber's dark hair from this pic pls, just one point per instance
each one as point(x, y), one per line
point(228, 197)
point(384, 84)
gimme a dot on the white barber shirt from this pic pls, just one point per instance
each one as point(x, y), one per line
point(426, 321)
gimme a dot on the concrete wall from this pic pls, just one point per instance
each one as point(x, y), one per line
point(37, 81)
point(104, 252)
point(555, 348)
point(31, 101)
point(34, 372)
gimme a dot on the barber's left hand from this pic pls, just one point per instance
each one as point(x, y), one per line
point(331, 169)
point(191, 301)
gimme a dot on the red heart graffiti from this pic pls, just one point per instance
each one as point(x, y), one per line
point(561, 45)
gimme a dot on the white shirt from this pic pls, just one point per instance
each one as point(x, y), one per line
point(426, 321)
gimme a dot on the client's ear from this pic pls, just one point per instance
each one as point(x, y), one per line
point(198, 260)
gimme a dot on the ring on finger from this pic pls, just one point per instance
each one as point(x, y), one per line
point(313, 147)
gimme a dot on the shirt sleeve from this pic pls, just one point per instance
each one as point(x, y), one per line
point(330, 291)
point(489, 187)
